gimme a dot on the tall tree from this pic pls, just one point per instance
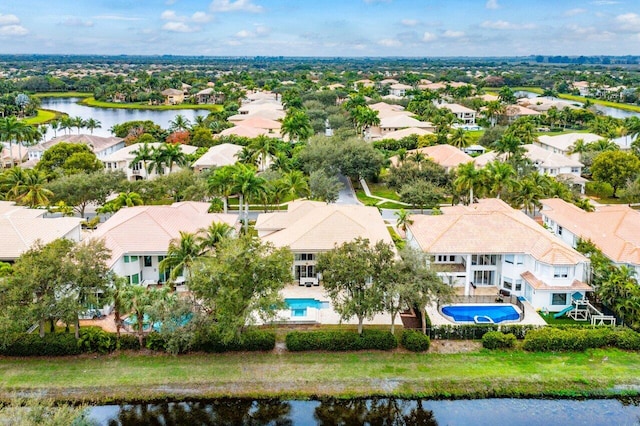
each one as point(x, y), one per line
point(469, 179)
point(221, 182)
point(181, 255)
point(296, 125)
point(11, 129)
point(92, 124)
point(143, 154)
point(615, 168)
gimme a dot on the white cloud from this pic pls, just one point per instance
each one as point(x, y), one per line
point(629, 22)
point(262, 29)
point(429, 37)
point(574, 12)
point(389, 42)
point(9, 19)
point(171, 15)
point(117, 18)
point(245, 34)
point(178, 27)
point(504, 25)
point(492, 4)
point(453, 34)
point(409, 22)
point(13, 30)
point(235, 6)
point(76, 22)
point(201, 17)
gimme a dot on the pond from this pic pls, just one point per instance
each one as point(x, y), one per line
point(375, 411)
point(606, 110)
point(110, 116)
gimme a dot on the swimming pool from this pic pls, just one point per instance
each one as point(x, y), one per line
point(481, 314)
point(299, 307)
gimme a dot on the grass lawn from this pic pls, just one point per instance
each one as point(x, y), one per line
point(90, 101)
point(483, 373)
point(362, 197)
point(382, 190)
point(562, 320)
point(44, 116)
point(63, 94)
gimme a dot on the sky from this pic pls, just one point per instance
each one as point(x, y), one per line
point(414, 28)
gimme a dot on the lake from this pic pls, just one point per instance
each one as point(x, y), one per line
point(606, 110)
point(110, 116)
point(375, 411)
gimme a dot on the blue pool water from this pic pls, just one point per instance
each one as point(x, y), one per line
point(299, 306)
point(481, 313)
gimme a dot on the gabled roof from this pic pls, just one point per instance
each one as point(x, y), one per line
point(171, 92)
point(313, 226)
point(445, 155)
point(538, 284)
point(492, 227)
point(150, 229)
point(565, 141)
point(456, 108)
point(401, 121)
point(96, 143)
point(538, 155)
point(125, 154)
point(21, 227)
point(614, 229)
point(219, 155)
point(271, 114)
point(245, 131)
point(403, 133)
point(261, 123)
point(383, 106)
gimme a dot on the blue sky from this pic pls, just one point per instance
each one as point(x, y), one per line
point(321, 27)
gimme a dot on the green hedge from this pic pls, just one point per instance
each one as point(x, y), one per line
point(128, 342)
point(95, 339)
point(52, 344)
point(251, 340)
point(340, 340)
point(415, 341)
point(498, 340)
point(476, 331)
point(552, 339)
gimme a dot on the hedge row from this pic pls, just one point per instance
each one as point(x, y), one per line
point(476, 331)
point(498, 340)
point(340, 340)
point(550, 339)
point(415, 341)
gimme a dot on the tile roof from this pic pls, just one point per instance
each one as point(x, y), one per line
point(150, 229)
point(538, 284)
point(96, 143)
point(245, 132)
point(317, 226)
point(445, 155)
point(614, 229)
point(490, 226)
point(21, 227)
point(565, 141)
point(403, 133)
point(125, 154)
point(219, 155)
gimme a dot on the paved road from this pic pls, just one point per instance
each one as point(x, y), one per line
point(346, 195)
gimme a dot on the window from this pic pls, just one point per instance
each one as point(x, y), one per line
point(134, 258)
point(484, 259)
point(519, 259)
point(126, 259)
point(560, 272)
point(575, 170)
point(147, 261)
point(507, 283)
point(508, 258)
point(135, 279)
point(483, 277)
point(518, 285)
point(452, 258)
point(304, 256)
point(559, 230)
point(558, 298)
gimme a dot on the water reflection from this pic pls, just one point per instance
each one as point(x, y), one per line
point(606, 110)
point(375, 411)
point(110, 116)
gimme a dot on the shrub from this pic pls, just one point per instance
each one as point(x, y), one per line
point(476, 331)
point(498, 340)
point(340, 340)
point(209, 340)
point(156, 342)
point(550, 339)
point(53, 344)
point(415, 341)
point(128, 342)
point(628, 339)
point(95, 339)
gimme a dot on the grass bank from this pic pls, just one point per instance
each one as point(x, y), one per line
point(582, 99)
point(91, 102)
point(63, 94)
point(43, 116)
point(127, 377)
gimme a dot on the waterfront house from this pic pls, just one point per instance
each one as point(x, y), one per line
point(489, 244)
point(173, 96)
point(122, 160)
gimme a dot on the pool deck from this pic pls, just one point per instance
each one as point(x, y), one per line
point(531, 317)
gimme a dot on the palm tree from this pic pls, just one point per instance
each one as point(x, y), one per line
point(263, 148)
point(603, 145)
point(12, 181)
point(296, 125)
point(77, 122)
point(127, 199)
point(509, 145)
point(143, 154)
point(500, 177)
point(578, 147)
point(66, 123)
point(33, 192)
point(247, 184)
point(493, 110)
point(527, 196)
point(93, 124)
point(212, 235)
point(181, 255)
point(11, 129)
point(459, 138)
point(138, 300)
point(364, 117)
point(297, 184)
point(403, 219)
point(179, 123)
point(221, 182)
point(55, 126)
point(168, 155)
point(468, 179)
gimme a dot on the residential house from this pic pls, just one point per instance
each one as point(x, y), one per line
point(363, 83)
point(101, 146)
point(309, 228)
point(399, 90)
point(19, 155)
point(245, 132)
point(210, 96)
point(445, 155)
point(21, 227)
point(465, 116)
point(614, 229)
point(489, 244)
point(139, 237)
point(513, 112)
point(409, 131)
point(394, 122)
point(173, 96)
point(562, 144)
point(272, 127)
point(217, 156)
point(121, 160)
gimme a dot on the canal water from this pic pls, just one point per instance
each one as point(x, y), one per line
point(110, 116)
point(379, 411)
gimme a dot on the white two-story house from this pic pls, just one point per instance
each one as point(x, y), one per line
point(489, 244)
point(123, 158)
